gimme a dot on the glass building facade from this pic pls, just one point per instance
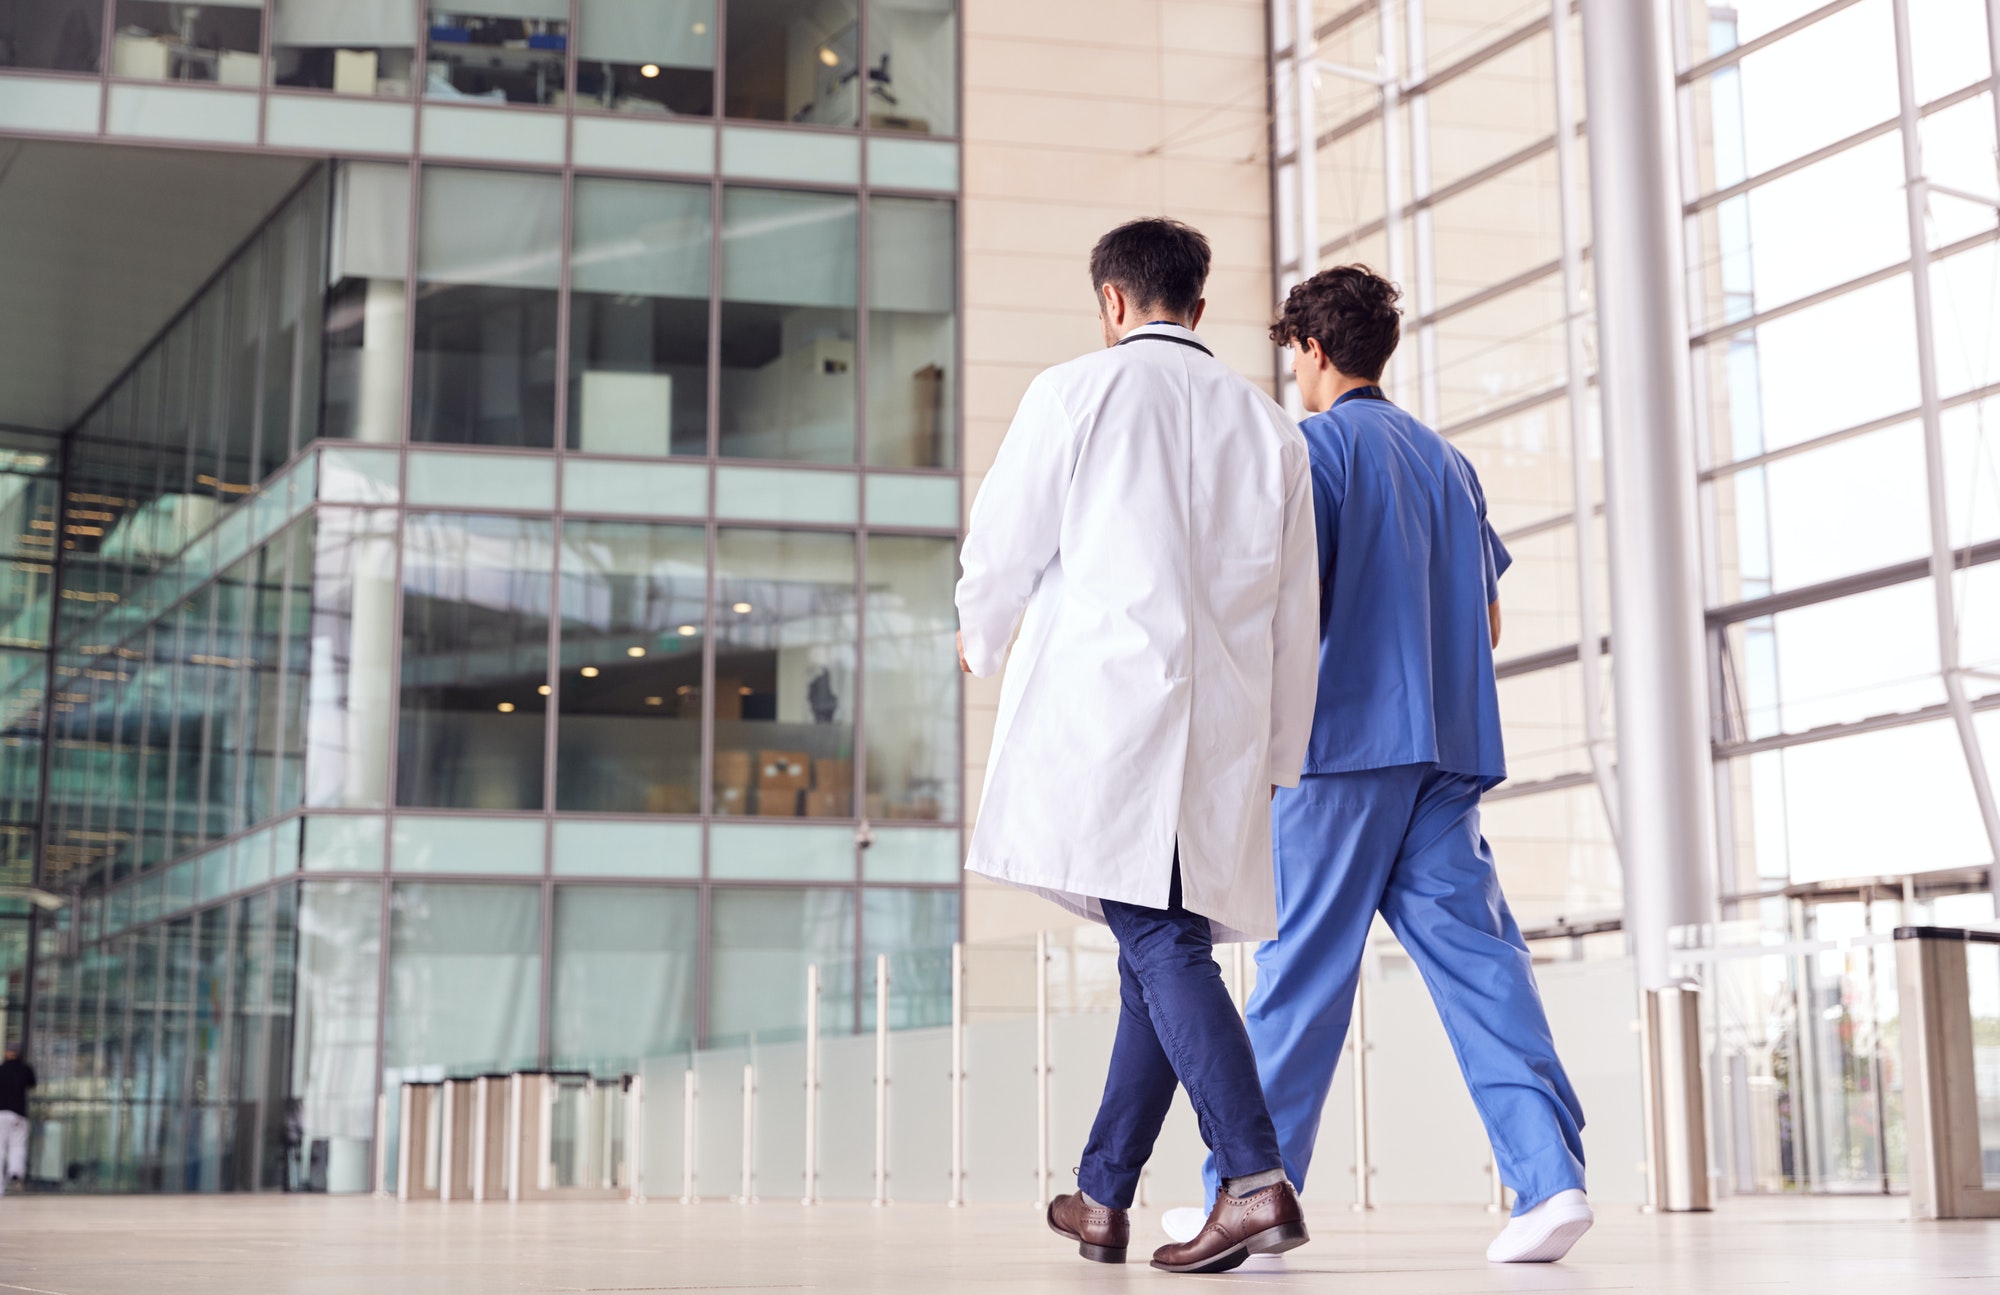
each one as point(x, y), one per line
point(504, 620)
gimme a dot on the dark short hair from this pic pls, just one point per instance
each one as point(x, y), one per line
point(1154, 262)
point(1351, 312)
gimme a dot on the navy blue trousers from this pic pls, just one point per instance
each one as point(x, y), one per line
point(1176, 1024)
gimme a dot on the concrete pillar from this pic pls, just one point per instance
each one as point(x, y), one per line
point(1666, 798)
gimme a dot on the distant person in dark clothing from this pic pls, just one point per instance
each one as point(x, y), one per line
point(16, 1078)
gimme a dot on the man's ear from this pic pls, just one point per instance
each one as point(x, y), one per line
point(1111, 303)
point(1194, 320)
point(1315, 352)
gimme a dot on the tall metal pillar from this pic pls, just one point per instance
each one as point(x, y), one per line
point(1666, 798)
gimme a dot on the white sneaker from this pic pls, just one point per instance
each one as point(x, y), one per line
point(1183, 1223)
point(1545, 1233)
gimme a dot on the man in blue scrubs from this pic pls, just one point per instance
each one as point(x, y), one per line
point(1406, 738)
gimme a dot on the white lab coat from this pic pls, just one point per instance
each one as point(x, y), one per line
point(1148, 527)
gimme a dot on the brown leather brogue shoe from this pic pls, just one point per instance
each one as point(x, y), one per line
point(1266, 1222)
point(1100, 1232)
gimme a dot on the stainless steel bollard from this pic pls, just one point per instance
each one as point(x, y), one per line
point(1676, 1110)
point(1042, 1174)
point(1940, 1080)
point(1364, 1165)
point(812, 1086)
point(957, 1073)
point(881, 1079)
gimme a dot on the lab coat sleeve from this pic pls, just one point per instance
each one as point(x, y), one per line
point(1295, 632)
point(1015, 525)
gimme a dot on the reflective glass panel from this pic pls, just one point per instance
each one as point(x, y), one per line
point(475, 656)
point(626, 981)
point(465, 979)
point(638, 346)
point(912, 333)
point(916, 929)
point(784, 674)
point(647, 57)
point(630, 676)
point(913, 66)
point(794, 60)
point(353, 637)
point(788, 291)
point(213, 41)
point(65, 37)
point(498, 51)
point(489, 260)
point(760, 944)
point(365, 47)
point(913, 685)
point(370, 249)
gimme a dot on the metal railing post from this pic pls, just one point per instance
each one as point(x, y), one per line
point(635, 1139)
point(881, 1079)
point(687, 1134)
point(381, 1144)
point(811, 1196)
point(957, 1073)
point(748, 1194)
point(1041, 1070)
point(1364, 1168)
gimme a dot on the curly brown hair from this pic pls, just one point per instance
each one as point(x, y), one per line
point(1351, 312)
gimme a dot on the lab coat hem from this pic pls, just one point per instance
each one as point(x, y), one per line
point(1364, 764)
point(1091, 906)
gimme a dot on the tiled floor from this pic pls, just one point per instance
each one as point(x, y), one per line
point(352, 1246)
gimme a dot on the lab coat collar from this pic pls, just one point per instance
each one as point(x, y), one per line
point(1164, 331)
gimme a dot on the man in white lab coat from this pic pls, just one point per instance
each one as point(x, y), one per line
point(1147, 528)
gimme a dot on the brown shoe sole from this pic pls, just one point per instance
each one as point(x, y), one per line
point(1271, 1241)
point(1095, 1253)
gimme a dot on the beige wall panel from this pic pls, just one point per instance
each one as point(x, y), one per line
point(1079, 116)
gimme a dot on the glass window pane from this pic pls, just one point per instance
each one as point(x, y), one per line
point(793, 60)
point(788, 289)
point(1501, 350)
point(653, 57)
point(913, 65)
point(465, 979)
point(457, 480)
point(513, 845)
point(638, 348)
point(65, 38)
point(216, 41)
point(362, 396)
point(348, 47)
point(780, 852)
point(340, 843)
point(784, 674)
point(916, 929)
point(475, 658)
point(912, 696)
point(912, 333)
point(1833, 662)
point(626, 979)
point(630, 734)
point(499, 51)
point(1467, 129)
point(787, 495)
point(489, 257)
point(353, 636)
point(645, 489)
point(913, 855)
point(760, 944)
point(1554, 854)
point(624, 848)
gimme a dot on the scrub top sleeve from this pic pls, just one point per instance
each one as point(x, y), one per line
point(1015, 525)
point(1495, 557)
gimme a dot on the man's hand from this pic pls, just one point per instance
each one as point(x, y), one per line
point(963, 664)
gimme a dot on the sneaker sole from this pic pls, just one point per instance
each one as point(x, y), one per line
point(1271, 1241)
point(1554, 1245)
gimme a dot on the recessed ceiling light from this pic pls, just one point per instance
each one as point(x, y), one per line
point(543, 690)
point(747, 692)
point(701, 29)
point(742, 609)
point(589, 672)
point(650, 70)
point(506, 708)
point(684, 690)
point(654, 701)
point(689, 631)
point(635, 650)
point(828, 57)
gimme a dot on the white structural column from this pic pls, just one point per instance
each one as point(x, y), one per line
point(1666, 797)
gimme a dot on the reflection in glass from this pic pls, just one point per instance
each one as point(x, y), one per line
point(488, 267)
point(760, 944)
point(364, 47)
point(498, 51)
point(632, 599)
point(916, 928)
point(793, 60)
point(784, 674)
point(625, 982)
point(788, 292)
point(638, 343)
point(912, 693)
point(912, 334)
point(353, 634)
point(465, 980)
point(63, 37)
point(647, 57)
point(365, 303)
point(214, 41)
point(475, 657)
point(913, 65)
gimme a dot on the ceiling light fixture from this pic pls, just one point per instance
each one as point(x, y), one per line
point(742, 609)
point(654, 701)
point(506, 708)
point(747, 692)
point(543, 690)
point(650, 70)
point(589, 672)
point(688, 631)
point(700, 29)
point(828, 57)
point(635, 650)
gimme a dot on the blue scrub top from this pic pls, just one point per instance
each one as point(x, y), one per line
point(1408, 564)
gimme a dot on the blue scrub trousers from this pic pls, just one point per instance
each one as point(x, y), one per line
point(1406, 841)
point(1176, 1022)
